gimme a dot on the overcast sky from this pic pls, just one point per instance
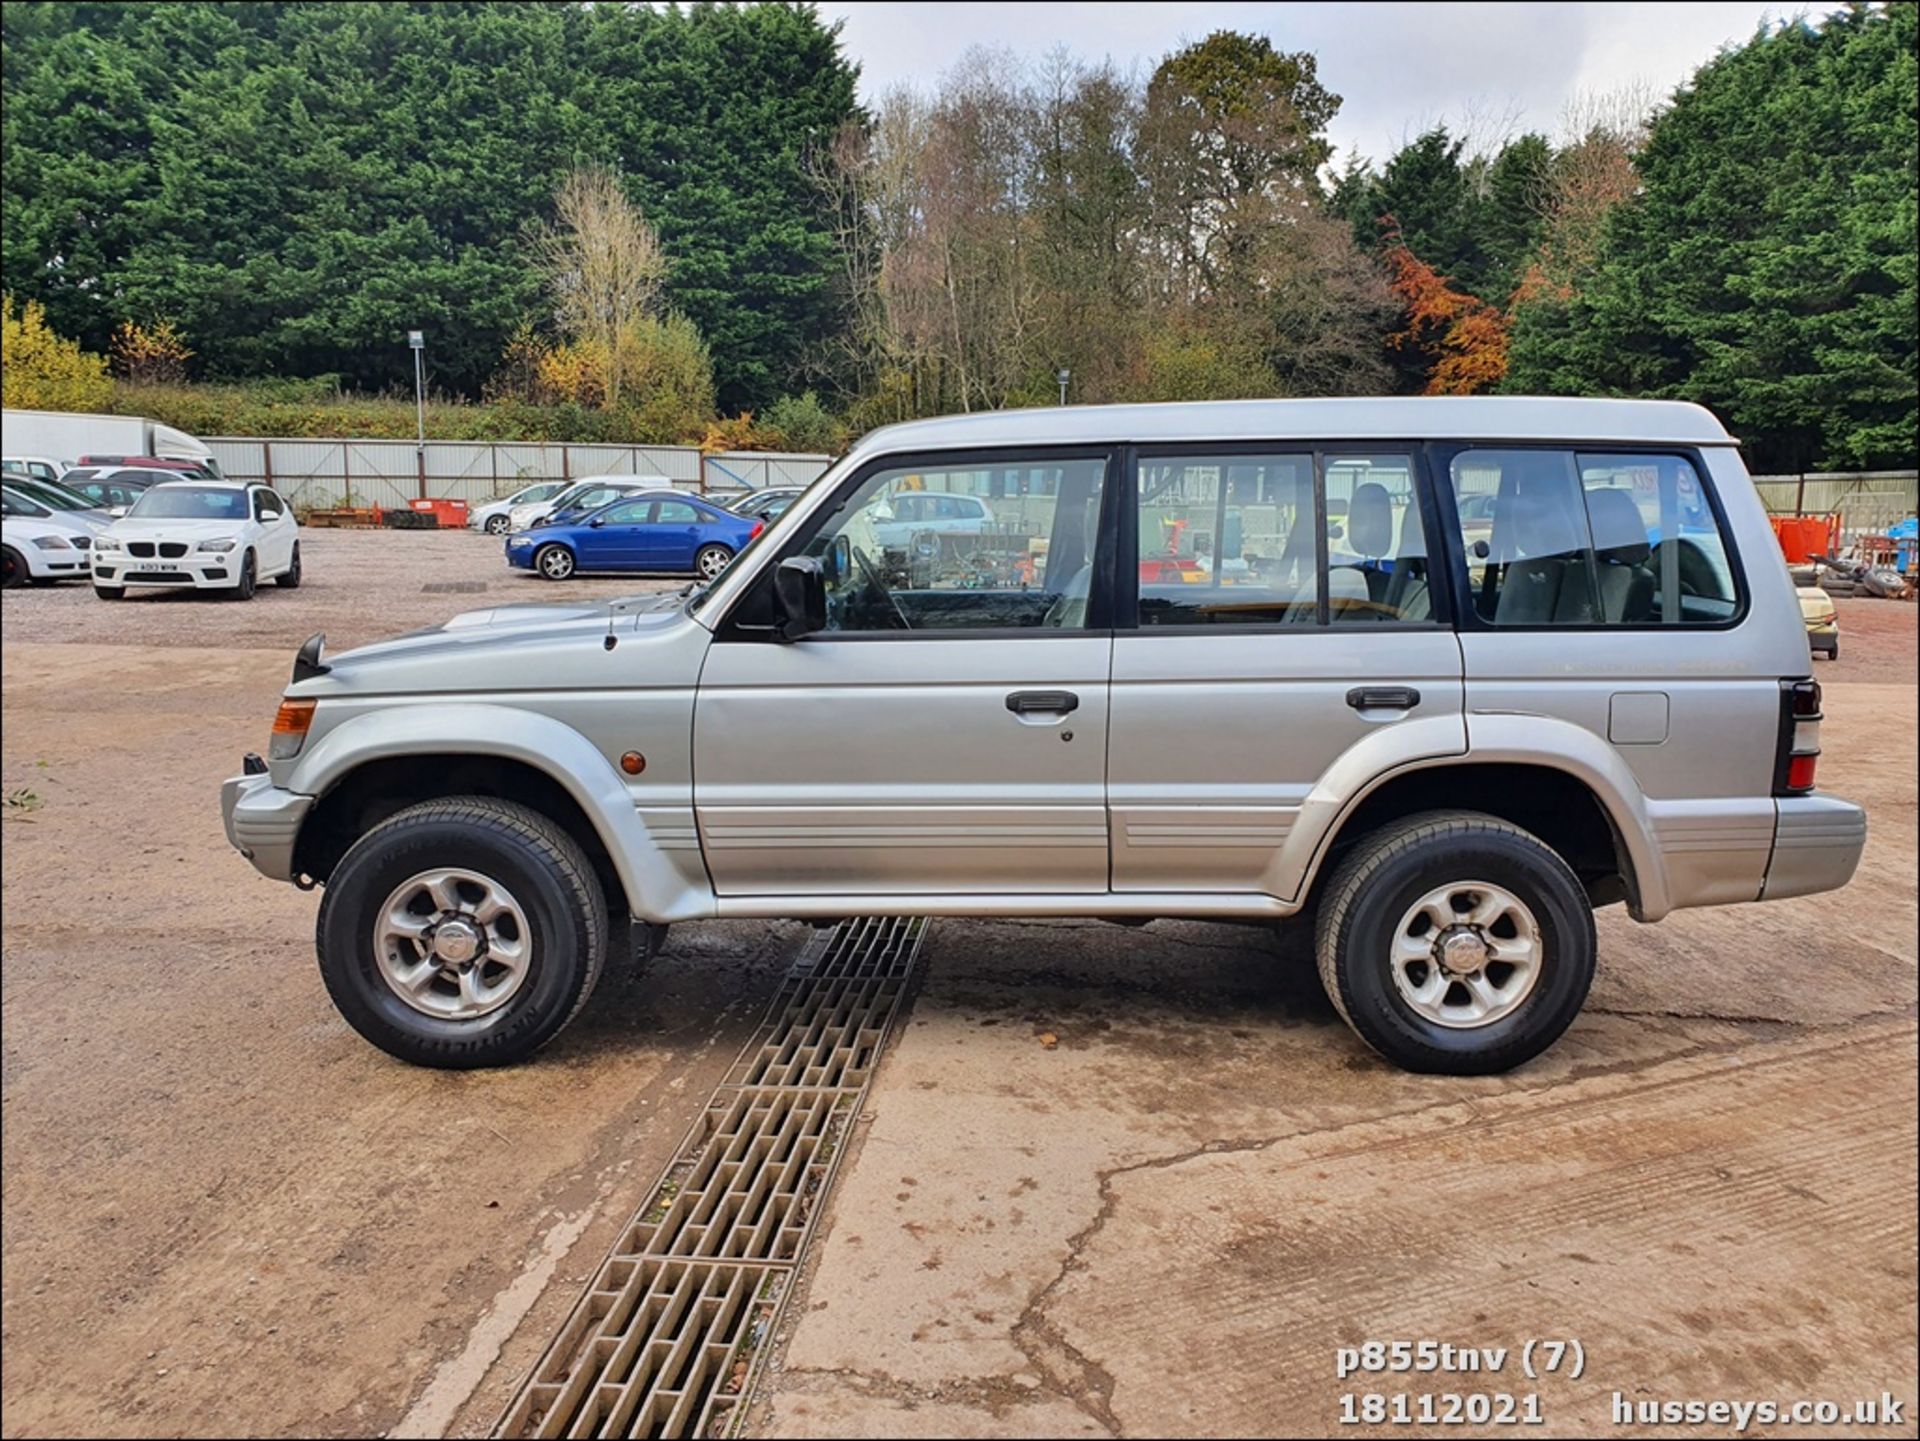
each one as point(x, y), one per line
point(1399, 68)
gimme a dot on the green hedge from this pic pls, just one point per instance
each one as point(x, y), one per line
point(319, 408)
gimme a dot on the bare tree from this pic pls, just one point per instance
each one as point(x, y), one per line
point(604, 267)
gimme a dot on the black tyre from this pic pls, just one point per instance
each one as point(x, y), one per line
point(13, 567)
point(496, 525)
point(462, 933)
point(290, 578)
point(1455, 942)
point(249, 577)
point(110, 592)
point(711, 560)
point(555, 562)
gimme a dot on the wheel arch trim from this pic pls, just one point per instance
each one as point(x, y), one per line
point(1513, 739)
point(656, 889)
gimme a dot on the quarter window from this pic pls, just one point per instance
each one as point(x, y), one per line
point(1565, 538)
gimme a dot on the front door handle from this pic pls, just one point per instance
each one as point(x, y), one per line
point(1050, 702)
point(1383, 697)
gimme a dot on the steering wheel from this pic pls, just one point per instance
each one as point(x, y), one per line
point(873, 579)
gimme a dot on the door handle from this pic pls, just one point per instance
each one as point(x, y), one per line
point(1383, 697)
point(1051, 702)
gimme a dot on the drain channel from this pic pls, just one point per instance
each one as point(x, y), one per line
point(667, 1339)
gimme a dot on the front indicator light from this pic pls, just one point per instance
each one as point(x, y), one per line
point(290, 725)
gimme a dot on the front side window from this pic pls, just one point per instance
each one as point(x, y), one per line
point(1024, 561)
point(1565, 538)
point(1233, 540)
point(634, 512)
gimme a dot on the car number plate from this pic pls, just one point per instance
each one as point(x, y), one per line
point(154, 565)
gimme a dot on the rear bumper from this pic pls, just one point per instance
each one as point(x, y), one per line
point(263, 822)
point(1817, 841)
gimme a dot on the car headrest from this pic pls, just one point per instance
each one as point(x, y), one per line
point(1619, 534)
point(1370, 520)
point(1541, 524)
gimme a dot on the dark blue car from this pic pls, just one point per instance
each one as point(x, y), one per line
point(643, 533)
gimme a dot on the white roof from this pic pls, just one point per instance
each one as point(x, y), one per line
point(209, 483)
point(1445, 417)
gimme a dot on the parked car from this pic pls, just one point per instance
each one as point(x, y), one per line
point(69, 504)
point(590, 493)
point(927, 512)
point(175, 467)
point(495, 516)
point(672, 533)
point(114, 487)
point(1823, 621)
point(39, 544)
point(767, 504)
point(39, 467)
point(1435, 760)
point(209, 534)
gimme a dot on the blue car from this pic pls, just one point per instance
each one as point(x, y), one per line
point(642, 533)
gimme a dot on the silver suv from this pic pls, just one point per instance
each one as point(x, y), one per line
point(1432, 678)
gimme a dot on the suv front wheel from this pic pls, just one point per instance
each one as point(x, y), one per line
point(1455, 942)
point(462, 933)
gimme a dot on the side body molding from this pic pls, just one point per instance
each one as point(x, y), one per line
point(1535, 740)
point(656, 889)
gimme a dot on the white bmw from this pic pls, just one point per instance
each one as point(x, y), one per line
point(209, 534)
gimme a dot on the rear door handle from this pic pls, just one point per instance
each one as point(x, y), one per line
point(1383, 697)
point(1051, 702)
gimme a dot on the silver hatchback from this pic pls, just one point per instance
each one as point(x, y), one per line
point(1428, 680)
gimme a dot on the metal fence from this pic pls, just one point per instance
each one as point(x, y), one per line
point(325, 473)
point(1868, 501)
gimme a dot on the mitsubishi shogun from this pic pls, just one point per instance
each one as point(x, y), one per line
point(1431, 678)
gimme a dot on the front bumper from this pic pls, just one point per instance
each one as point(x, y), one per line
point(57, 564)
point(202, 570)
point(520, 549)
point(1817, 842)
point(263, 822)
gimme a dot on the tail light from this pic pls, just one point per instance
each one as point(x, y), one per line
point(754, 534)
point(1798, 755)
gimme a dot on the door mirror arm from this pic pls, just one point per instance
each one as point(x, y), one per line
point(799, 598)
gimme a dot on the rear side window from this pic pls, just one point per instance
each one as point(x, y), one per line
point(676, 512)
point(1577, 538)
point(1234, 540)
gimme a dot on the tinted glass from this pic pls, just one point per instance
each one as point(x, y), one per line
point(1555, 538)
point(634, 512)
point(676, 512)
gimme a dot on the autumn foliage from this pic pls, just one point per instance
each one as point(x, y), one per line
point(1464, 337)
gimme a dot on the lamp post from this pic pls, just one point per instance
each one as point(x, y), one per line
point(1063, 375)
point(417, 343)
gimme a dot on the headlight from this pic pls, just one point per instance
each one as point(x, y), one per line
point(81, 542)
point(216, 546)
point(52, 542)
point(106, 542)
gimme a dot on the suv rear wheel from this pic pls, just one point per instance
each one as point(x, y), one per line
point(1455, 942)
point(462, 933)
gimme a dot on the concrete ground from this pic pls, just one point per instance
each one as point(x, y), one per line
point(1109, 1181)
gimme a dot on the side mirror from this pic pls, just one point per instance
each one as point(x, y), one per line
point(597, 521)
point(117, 512)
point(799, 597)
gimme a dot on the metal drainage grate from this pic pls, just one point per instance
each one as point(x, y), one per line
point(453, 587)
point(666, 1339)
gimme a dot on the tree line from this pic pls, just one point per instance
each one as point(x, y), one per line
point(635, 220)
